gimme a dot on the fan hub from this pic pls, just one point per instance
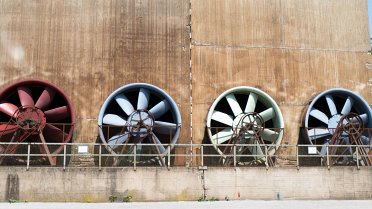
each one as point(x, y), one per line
point(248, 122)
point(31, 119)
point(140, 123)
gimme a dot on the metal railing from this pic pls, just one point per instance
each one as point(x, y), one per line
point(188, 155)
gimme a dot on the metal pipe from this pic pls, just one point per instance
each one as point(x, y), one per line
point(202, 155)
point(135, 157)
point(327, 154)
point(28, 156)
point(64, 157)
point(169, 148)
point(100, 157)
point(234, 151)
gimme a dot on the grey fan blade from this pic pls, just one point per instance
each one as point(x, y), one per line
point(317, 133)
point(348, 105)
point(267, 114)
point(269, 135)
point(234, 105)
point(222, 136)
point(159, 145)
point(319, 115)
point(331, 104)
point(115, 120)
point(143, 99)
point(117, 140)
point(162, 127)
point(222, 118)
point(363, 117)
point(251, 103)
point(124, 103)
point(323, 150)
point(160, 109)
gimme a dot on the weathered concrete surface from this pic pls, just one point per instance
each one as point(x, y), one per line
point(179, 183)
point(246, 204)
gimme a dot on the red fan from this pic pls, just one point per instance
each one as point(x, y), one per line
point(34, 111)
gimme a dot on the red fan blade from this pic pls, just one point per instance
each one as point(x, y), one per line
point(57, 114)
point(7, 129)
point(45, 98)
point(8, 108)
point(44, 149)
point(54, 134)
point(25, 97)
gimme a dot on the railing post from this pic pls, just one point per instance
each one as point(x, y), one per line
point(297, 158)
point(100, 157)
point(202, 155)
point(64, 157)
point(327, 155)
point(267, 162)
point(135, 157)
point(357, 156)
point(168, 155)
point(28, 156)
point(234, 157)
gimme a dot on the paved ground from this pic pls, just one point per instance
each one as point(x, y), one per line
point(281, 204)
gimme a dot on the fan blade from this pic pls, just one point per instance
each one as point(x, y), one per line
point(251, 103)
point(347, 106)
point(222, 118)
point(54, 134)
point(45, 98)
point(331, 105)
point(57, 114)
point(124, 103)
point(319, 115)
point(267, 114)
point(269, 135)
point(222, 136)
point(160, 109)
point(165, 127)
point(256, 150)
point(25, 97)
point(114, 120)
point(117, 140)
point(143, 99)
point(346, 141)
point(44, 149)
point(363, 117)
point(9, 109)
point(159, 145)
point(7, 129)
point(317, 133)
point(234, 105)
point(323, 150)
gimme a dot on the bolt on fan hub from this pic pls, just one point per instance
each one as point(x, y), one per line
point(30, 119)
point(140, 123)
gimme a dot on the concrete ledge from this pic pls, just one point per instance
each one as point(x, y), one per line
point(179, 183)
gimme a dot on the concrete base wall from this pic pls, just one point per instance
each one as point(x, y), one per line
point(159, 184)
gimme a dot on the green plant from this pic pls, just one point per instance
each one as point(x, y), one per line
point(214, 199)
point(12, 200)
point(127, 198)
point(201, 198)
point(113, 198)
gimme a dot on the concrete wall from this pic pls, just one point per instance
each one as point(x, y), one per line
point(159, 184)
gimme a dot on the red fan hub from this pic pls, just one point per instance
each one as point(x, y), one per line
point(31, 119)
